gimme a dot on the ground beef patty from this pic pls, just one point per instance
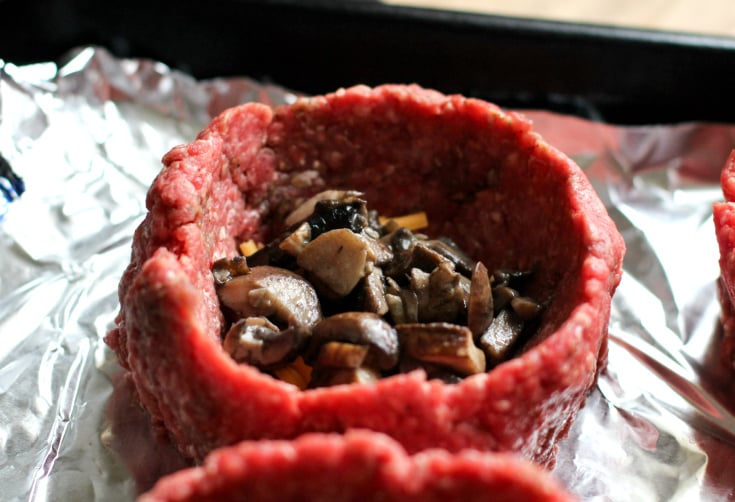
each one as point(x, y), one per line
point(360, 466)
point(724, 218)
point(483, 178)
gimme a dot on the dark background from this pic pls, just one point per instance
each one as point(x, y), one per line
point(617, 75)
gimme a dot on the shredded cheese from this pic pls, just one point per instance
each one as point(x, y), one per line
point(249, 247)
point(297, 373)
point(413, 221)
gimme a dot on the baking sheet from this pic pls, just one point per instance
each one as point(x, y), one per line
point(87, 136)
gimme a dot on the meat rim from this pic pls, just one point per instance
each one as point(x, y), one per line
point(724, 220)
point(483, 177)
point(369, 466)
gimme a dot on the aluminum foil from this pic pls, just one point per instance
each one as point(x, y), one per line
point(87, 134)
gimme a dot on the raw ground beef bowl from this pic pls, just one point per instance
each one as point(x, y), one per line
point(483, 178)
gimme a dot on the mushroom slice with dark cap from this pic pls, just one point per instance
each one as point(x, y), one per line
point(258, 342)
point(283, 296)
point(441, 297)
point(306, 208)
point(441, 343)
point(501, 335)
point(350, 213)
point(450, 250)
point(480, 304)
point(502, 297)
point(361, 328)
point(225, 269)
point(425, 258)
point(401, 242)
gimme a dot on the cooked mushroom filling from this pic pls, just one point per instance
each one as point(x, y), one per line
point(340, 297)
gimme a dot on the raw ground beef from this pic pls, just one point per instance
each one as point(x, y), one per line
point(360, 466)
point(724, 218)
point(483, 177)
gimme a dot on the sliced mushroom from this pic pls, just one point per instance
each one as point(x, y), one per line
point(396, 308)
point(403, 304)
point(480, 305)
point(361, 328)
point(341, 355)
point(426, 259)
point(441, 298)
point(258, 342)
point(433, 371)
point(335, 261)
point(378, 251)
point(349, 213)
point(401, 243)
point(502, 296)
point(450, 250)
point(304, 210)
point(225, 269)
point(374, 293)
point(297, 240)
point(324, 377)
point(272, 254)
point(281, 295)
point(501, 335)
point(527, 308)
point(445, 344)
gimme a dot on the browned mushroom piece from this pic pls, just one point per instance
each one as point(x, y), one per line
point(450, 250)
point(501, 336)
point(324, 377)
point(526, 308)
point(378, 251)
point(502, 296)
point(306, 208)
point(441, 295)
point(297, 240)
point(433, 371)
point(373, 297)
point(283, 296)
point(225, 269)
point(480, 305)
point(401, 242)
point(445, 344)
point(403, 303)
point(396, 308)
point(341, 355)
point(426, 259)
point(360, 328)
point(258, 342)
point(336, 261)
point(442, 304)
point(350, 213)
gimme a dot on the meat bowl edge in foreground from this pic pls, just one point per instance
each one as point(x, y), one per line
point(484, 179)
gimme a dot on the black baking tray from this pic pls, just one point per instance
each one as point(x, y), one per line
point(622, 76)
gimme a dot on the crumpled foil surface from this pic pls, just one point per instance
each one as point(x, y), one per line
point(87, 135)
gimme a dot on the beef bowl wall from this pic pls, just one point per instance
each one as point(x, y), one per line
point(484, 179)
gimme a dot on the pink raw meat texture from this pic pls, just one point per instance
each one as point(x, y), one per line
point(359, 466)
point(483, 177)
point(724, 218)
